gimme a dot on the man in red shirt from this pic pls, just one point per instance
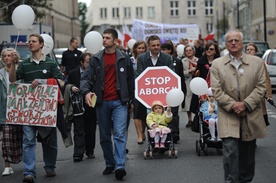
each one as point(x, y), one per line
point(110, 77)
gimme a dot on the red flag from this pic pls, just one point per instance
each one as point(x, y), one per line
point(127, 35)
point(210, 36)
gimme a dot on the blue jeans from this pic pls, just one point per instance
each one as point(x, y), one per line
point(113, 115)
point(29, 145)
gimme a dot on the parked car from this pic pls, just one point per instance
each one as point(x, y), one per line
point(262, 47)
point(269, 59)
point(23, 50)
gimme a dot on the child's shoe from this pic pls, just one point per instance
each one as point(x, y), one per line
point(213, 139)
point(162, 145)
point(156, 145)
point(7, 171)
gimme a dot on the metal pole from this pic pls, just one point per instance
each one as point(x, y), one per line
point(224, 19)
point(264, 4)
point(238, 14)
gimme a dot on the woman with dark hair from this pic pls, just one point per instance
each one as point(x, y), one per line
point(139, 110)
point(211, 52)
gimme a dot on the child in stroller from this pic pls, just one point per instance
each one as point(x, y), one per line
point(157, 121)
point(207, 125)
point(209, 111)
point(160, 137)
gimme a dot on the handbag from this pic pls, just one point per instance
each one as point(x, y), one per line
point(195, 123)
point(77, 103)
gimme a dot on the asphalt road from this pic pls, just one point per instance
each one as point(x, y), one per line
point(186, 168)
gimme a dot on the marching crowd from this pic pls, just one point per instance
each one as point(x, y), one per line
point(238, 86)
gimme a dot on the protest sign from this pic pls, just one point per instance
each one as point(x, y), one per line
point(32, 106)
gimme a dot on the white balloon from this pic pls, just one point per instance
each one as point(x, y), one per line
point(23, 17)
point(180, 50)
point(174, 97)
point(48, 44)
point(93, 41)
point(131, 43)
point(198, 86)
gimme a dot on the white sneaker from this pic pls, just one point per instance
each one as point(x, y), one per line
point(7, 171)
point(219, 139)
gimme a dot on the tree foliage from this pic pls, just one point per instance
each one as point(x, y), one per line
point(82, 18)
point(8, 6)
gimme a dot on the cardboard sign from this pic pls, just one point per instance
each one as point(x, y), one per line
point(32, 106)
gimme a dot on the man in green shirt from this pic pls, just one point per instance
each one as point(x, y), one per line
point(38, 66)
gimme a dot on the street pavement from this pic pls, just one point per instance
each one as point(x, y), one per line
point(186, 168)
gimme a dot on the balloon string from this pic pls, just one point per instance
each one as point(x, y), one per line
point(17, 38)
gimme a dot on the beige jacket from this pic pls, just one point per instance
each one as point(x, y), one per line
point(246, 84)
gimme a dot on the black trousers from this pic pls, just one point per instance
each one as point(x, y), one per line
point(174, 124)
point(90, 125)
point(79, 135)
point(238, 160)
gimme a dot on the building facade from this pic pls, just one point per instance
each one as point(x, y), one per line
point(250, 17)
point(115, 13)
point(61, 20)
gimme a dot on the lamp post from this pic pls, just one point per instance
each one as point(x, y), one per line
point(264, 6)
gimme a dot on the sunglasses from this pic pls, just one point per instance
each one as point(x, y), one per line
point(210, 49)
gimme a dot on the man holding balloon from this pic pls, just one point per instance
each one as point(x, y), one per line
point(38, 66)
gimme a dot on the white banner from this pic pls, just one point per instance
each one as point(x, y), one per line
point(142, 29)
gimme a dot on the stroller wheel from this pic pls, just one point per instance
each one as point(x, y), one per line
point(205, 151)
point(145, 155)
point(175, 153)
point(150, 154)
point(198, 148)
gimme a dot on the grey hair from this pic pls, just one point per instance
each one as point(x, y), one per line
point(234, 31)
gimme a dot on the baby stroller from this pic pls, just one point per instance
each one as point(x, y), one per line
point(204, 141)
point(151, 152)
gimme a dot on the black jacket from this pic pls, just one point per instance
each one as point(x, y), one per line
point(144, 61)
point(93, 78)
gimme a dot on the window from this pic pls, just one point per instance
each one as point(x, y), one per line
point(209, 7)
point(151, 12)
point(209, 27)
point(103, 13)
point(191, 8)
point(139, 12)
point(174, 8)
point(115, 12)
point(127, 12)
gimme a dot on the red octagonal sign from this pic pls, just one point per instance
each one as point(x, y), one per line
point(154, 83)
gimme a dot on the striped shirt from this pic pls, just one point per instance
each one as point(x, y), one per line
point(28, 70)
